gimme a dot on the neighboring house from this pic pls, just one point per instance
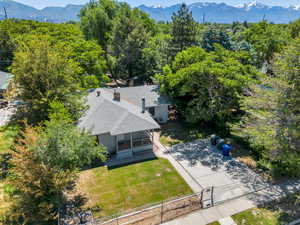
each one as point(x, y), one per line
point(4, 85)
point(123, 119)
point(4, 82)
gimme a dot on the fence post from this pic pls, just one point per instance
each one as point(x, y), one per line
point(161, 211)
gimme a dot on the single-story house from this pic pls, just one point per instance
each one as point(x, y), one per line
point(124, 119)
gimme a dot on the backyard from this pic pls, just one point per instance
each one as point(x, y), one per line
point(111, 191)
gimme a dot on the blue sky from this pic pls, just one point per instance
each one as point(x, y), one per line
point(43, 3)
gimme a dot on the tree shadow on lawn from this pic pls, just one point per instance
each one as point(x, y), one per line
point(72, 212)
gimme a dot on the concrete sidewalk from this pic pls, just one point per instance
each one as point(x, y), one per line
point(206, 216)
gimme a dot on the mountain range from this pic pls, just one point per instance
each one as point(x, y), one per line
point(209, 12)
point(223, 13)
point(50, 14)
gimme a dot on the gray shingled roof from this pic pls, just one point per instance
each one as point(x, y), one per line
point(108, 116)
point(149, 92)
point(4, 79)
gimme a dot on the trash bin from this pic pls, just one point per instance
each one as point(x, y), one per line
point(220, 143)
point(213, 139)
point(226, 149)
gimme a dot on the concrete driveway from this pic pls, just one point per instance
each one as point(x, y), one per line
point(207, 166)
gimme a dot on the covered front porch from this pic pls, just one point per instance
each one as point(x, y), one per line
point(130, 143)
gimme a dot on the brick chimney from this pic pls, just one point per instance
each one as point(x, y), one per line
point(143, 105)
point(117, 96)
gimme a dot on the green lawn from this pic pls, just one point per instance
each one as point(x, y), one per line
point(214, 223)
point(128, 187)
point(4, 203)
point(257, 216)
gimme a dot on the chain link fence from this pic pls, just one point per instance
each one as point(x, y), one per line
point(146, 215)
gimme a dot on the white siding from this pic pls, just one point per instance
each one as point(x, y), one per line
point(161, 113)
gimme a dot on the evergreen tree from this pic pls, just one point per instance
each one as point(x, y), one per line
point(183, 30)
point(271, 123)
point(215, 35)
point(288, 110)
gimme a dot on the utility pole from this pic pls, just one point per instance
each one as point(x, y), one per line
point(5, 13)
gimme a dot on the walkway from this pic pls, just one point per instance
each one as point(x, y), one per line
point(161, 151)
point(206, 216)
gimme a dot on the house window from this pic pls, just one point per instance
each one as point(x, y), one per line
point(151, 110)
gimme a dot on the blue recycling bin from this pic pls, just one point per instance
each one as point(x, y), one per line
point(226, 149)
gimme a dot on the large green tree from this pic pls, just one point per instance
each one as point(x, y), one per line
point(206, 86)
point(266, 39)
point(6, 46)
point(123, 33)
point(45, 163)
point(38, 188)
point(271, 119)
point(288, 109)
point(183, 30)
point(42, 74)
point(97, 22)
point(88, 54)
point(131, 34)
point(295, 28)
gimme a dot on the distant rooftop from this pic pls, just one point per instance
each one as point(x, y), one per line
point(4, 80)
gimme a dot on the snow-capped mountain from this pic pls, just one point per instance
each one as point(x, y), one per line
point(223, 13)
point(211, 12)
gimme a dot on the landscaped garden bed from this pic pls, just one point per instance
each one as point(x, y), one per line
point(111, 191)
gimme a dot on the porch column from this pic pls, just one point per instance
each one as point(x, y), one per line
point(152, 133)
point(131, 143)
point(117, 145)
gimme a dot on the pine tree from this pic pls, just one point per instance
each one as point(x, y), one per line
point(214, 35)
point(183, 30)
